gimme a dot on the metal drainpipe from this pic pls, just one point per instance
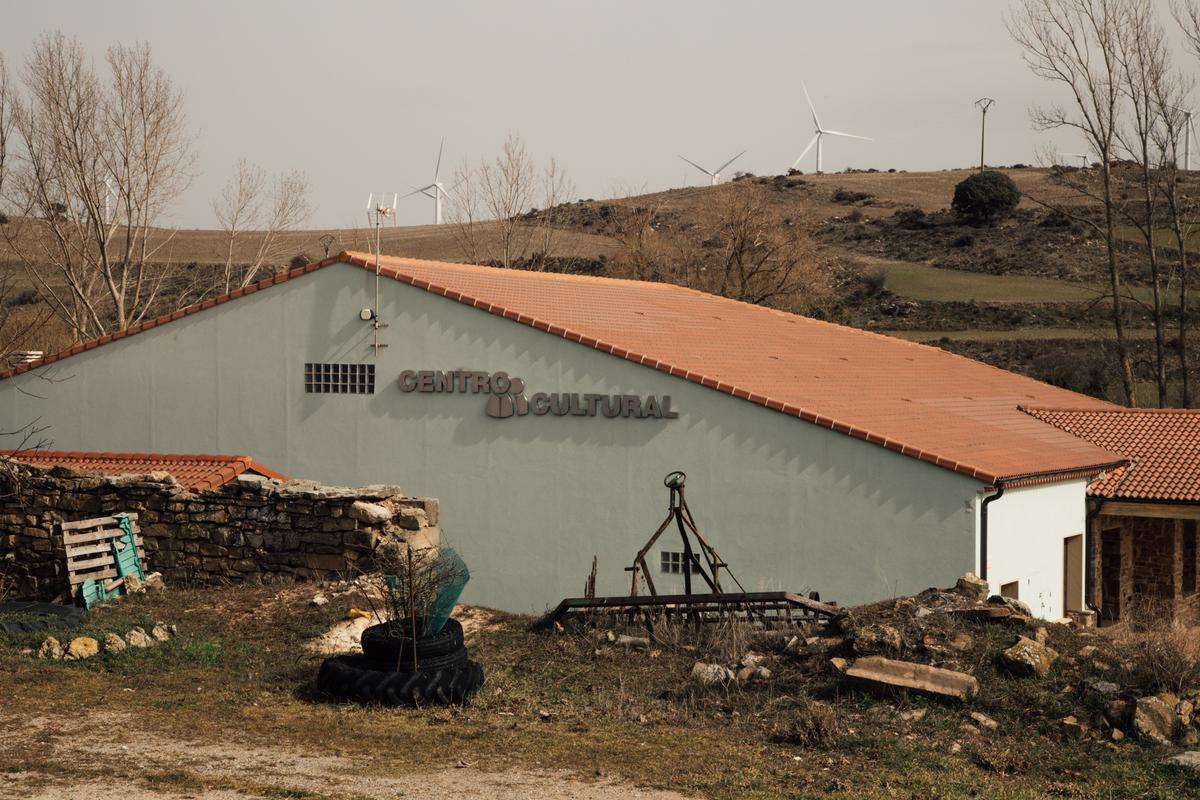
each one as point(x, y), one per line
point(983, 529)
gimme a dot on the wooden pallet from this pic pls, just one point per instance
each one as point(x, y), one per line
point(89, 547)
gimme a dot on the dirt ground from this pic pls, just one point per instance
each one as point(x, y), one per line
point(99, 749)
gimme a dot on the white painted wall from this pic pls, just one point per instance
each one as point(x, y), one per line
point(1026, 532)
point(528, 501)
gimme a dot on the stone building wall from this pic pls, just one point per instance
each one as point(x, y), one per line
point(1152, 565)
point(252, 529)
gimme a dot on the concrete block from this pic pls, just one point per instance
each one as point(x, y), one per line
point(877, 672)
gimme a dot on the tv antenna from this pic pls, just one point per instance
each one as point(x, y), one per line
point(376, 214)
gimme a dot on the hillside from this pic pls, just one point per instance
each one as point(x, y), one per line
point(1027, 294)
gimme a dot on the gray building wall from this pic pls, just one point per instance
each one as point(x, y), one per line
point(527, 500)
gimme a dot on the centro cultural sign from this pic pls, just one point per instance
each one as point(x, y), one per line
point(507, 396)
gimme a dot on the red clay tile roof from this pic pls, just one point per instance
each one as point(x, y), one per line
point(194, 472)
point(917, 400)
point(1163, 446)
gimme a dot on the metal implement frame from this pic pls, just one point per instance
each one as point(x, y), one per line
point(678, 511)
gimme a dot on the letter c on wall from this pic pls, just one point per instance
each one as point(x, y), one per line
point(408, 381)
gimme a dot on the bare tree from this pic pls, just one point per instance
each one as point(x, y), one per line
point(1144, 66)
point(252, 208)
point(1076, 43)
point(490, 204)
point(97, 164)
point(466, 213)
point(744, 248)
point(6, 121)
point(1183, 213)
point(558, 190)
point(507, 187)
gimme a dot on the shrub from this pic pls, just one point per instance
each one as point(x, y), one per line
point(963, 240)
point(1055, 219)
point(855, 215)
point(808, 723)
point(846, 197)
point(299, 260)
point(3, 218)
point(1164, 652)
point(874, 281)
point(985, 197)
point(911, 218)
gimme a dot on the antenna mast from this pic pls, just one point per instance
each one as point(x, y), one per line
point(376, 214)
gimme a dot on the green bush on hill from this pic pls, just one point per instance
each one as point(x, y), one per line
point(985, 197)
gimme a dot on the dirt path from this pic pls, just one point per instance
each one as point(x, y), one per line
point(122, 761)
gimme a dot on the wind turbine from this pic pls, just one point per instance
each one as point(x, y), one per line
point(716, 173)
point(820, 132)
point(435, 190)
point(1085, 160)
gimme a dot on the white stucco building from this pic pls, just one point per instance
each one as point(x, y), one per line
point(818, 456)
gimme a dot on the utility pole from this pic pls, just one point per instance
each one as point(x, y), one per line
point(984, 104)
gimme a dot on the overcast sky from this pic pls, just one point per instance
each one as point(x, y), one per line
point(358, 94)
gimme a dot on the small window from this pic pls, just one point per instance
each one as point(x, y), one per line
point(339, 378)
point(672, 563)
point(1189, 557)
point(1011, 590)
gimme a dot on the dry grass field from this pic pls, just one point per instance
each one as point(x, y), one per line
point(227, 709)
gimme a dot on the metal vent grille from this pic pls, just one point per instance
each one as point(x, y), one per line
point(339, 378)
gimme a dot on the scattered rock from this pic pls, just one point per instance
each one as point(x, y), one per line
point(873, 639)
point(1041, 635)
point(1188, 760)
point(640, 642)
point(1116, 734)
point(1154, 720)
point(753, 659)
point(318, 600)
point(1072, 727)
point(745, 674)
point(984, 721)
point(113, 643)
point(914, 714)
point(876, 672)
point(1028, 657)
point(962, 642)
point(51, 648)
point(971, 587)
point(1011, 603)
point(1103, 688)
point(154, 581)
point(81, 647)
point(370, 513)
point(1088, 651)
point(138, 638)
point(133, 584)
point(159, 632)
point(711, 674)
point(762, 674)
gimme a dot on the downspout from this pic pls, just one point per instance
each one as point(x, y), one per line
point(983, 529)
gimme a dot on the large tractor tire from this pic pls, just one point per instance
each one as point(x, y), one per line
point(355, 678)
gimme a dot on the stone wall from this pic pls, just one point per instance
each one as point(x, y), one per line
point(1151, 568)
point(252, 529)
